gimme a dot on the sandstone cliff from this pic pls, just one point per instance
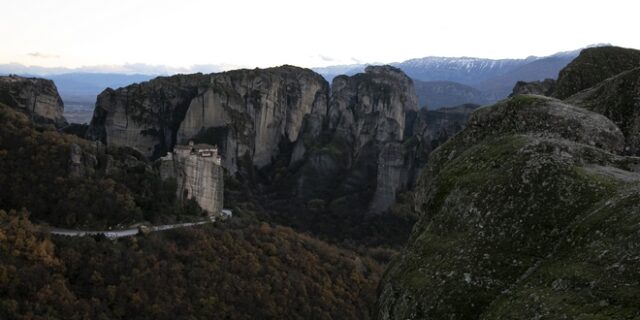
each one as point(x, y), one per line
point(258, 114)
point(37, 97)
point(525, 214)
point(359, 142)
point(145, 116)
point(254, 111)
point(248, 111)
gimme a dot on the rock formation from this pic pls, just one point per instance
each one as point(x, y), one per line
point(250, 111)
point(592, 66)
point(198, 171)
point(254, 111)
point(254, 114)
point(544, 88)
point(144, 116)
point(526, 213)
point(358, 142)
point(432, 128)
point(618, 98)
point(37, 97)
point(81, 161)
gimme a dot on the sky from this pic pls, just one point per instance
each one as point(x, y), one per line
point(253, 33)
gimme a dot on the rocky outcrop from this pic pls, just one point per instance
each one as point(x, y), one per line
point(393, 175)
point(37, 97)
point(360, 141)
point(527, 213)
point(359, 144)
point(254, 111)
point(256, 116)
point(434, 127)
point(617, 98)
point(244, 111)
point(81, 162)
point(371, 106)
point(145, 116)
point(548, 117)
point(544, 88)
point(592, 66)
point(603, 80)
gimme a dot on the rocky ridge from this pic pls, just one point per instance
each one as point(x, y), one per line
point(592, 66)
point(244, 111)
point(144, 116)
point(604, 80)
point(347, 143)
point(618, 99)
point(530, 211)
point(526, 188)
point(363, 131)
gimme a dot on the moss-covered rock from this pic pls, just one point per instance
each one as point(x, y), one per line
point(505, 204)
point(617, 98)
point(594, 65)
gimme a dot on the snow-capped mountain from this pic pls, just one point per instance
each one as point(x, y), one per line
point(465, 70)
point(493, 78)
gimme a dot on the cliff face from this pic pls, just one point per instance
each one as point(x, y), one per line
point(358, 141)
point(432, 128)
point(357, 131)
point(244, 111)
point(197, 177)
point(145, 116)
point(37, 97)
point(254, 111)
point(526, 213)
point(371, 106)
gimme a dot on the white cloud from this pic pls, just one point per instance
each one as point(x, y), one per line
point(252, 33)
point(43, 55)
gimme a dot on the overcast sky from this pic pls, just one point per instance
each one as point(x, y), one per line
point(248, 33)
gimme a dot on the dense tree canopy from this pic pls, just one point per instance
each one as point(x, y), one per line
point(116, 187)
point(212, 272)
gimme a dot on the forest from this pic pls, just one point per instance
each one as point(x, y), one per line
point(249, 267)
point(211, 272)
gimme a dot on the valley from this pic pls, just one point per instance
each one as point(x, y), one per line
point(350, 199)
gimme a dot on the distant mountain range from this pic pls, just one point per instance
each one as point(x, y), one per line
point(440, 81)
point(447, 81)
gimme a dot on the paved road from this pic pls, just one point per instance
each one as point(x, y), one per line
point(112, 234)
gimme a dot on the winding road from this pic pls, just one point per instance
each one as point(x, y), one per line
point(113, 234)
